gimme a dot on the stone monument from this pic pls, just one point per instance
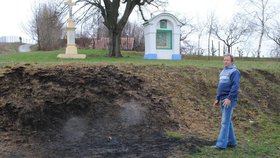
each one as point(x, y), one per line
point(162, 37)
point(71, 49)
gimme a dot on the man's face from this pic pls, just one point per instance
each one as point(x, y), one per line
point(227, 61)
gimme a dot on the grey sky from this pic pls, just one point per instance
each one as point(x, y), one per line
point(15, 13)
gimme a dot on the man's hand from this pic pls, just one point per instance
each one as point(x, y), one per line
point(226, 103)
point(216, 103)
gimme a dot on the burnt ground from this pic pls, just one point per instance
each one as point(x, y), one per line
point(119, 111)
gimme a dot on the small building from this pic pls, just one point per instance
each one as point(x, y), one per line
point(162, 37)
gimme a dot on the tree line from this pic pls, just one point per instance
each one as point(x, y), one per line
point(254, 21)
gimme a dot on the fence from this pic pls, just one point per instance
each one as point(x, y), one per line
point(15, 39)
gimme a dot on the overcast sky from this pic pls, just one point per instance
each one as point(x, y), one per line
point(15, 13)
point(194, 8)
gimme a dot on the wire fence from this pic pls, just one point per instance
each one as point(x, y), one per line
point(15, 39)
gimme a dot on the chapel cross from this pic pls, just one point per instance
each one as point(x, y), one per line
point(71, 49)
point(70, 6)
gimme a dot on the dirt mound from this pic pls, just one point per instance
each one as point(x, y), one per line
point(85, 111)
point(262, 89)
point(191, 92)
point(122, 110)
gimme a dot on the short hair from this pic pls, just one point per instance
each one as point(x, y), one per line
point(231, 57)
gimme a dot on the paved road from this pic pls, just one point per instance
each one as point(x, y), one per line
point(24, 48)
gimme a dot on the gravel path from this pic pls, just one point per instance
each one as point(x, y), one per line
point(24, 48)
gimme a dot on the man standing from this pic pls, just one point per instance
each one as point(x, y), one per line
point(227, 97)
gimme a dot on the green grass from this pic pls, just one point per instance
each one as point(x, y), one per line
point(174, 135)
point(260, 141)
point(99, 56)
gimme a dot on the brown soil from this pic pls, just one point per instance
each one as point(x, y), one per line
point(118, 111)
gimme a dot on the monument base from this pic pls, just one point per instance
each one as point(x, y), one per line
point(71, 53)
point(150, 56)
point(176, 56)
point(72, 56)
point(163, 56)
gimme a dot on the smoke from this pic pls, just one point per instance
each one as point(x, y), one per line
point(74, 129)
point(132, 113)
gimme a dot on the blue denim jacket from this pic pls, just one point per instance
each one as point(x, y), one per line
point(228, 83)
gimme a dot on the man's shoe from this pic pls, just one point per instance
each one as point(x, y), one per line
point(216, 147)
point(231, 146)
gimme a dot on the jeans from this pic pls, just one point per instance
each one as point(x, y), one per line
point(226, 136)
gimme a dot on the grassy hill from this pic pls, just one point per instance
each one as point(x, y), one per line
point(132, 107)
point(99, 56)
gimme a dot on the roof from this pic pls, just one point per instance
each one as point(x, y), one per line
point(164, 14)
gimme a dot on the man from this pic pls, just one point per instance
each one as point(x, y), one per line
point(227, 97)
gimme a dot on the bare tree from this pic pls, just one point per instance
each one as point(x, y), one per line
point(91, 29)
point(46, 25)
point(240, 52)
point(276, 52)
point(273, 33)
point(115, 14)
point(237, 31)
point(211, 20)
point(213, 50)
point(260, 11)
point(188, 47)
point(247, 48)
point(186, 31)
point(200, 28)
point(137, 32)
point(187, 28)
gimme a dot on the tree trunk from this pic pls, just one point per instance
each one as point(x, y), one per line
point(198, 44)
point(213, 51)
point(228, 47)
point(209, 38)
point(114, 43)
point(262, 20)
point(219, 48)
point(260, 43)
